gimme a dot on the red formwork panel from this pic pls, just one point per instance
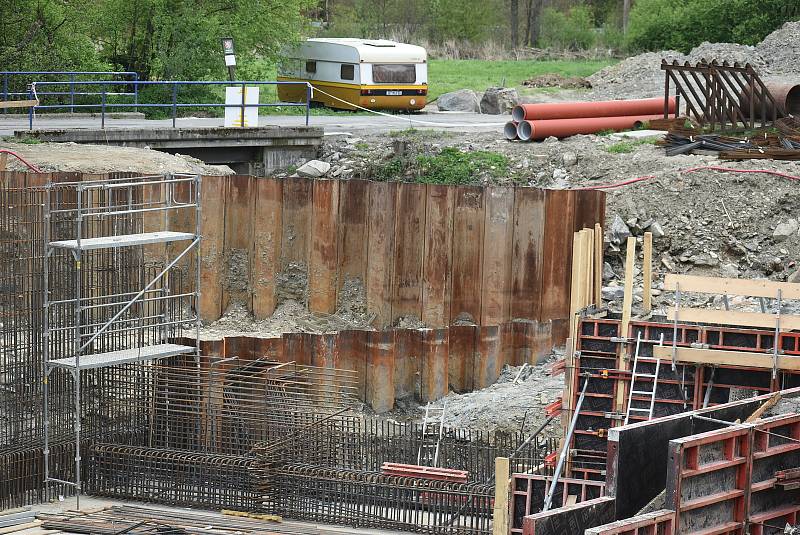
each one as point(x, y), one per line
point(723, 481)
point(656, 523)
point(528, 492)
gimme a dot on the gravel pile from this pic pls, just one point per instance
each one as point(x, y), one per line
point(782, 49)
point(641, 76)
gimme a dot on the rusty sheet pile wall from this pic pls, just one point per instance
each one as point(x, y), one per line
point(430, 252)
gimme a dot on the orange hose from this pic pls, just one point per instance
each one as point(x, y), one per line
point(538, 130)
point(603, 108)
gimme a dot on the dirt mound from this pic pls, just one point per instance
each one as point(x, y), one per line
point(636, 77)
point(557, 80)
point(782, 48)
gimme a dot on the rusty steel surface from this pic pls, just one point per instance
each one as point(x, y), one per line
point(468, 237)
point(438, 256)
point(382, 199)
point(435, 354)
point(239, 201)
point(497, 243)
point(323, 263)
point(407, 258)
point(528, 251)
point(352, 230)
point(212, 247)
point(266, 246)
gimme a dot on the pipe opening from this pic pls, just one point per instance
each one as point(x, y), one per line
point(510, 130)
point(525, 130)
point(792, 103)
point(518, 114)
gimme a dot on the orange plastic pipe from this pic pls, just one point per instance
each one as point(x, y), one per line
point(604, 108)
point(537, 130)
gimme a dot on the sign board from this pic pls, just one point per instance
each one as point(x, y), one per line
point(233, 114)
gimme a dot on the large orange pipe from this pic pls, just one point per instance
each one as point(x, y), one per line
point(604, 108)
point(538, 130)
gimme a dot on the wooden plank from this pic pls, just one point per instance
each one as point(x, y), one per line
point(352, 230)
point(238, 240)
point(730, 358)
point(467, 265)
point(598, 265)
point(734, 317)
point(408, 250)
point(5, 104)
point(527, 249)
point(382, 197)
point(557, 254)
point(297, 221)
point(502, 475)
point(747, 287)
point(437, 256)
point(647, 273)
point(322, 271)
point(212, 227)
point(499, 230)
point(627, 299)
point(266, 251)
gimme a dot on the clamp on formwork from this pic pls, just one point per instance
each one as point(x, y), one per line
point(95, 221)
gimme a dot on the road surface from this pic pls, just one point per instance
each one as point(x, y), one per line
point(344, 122)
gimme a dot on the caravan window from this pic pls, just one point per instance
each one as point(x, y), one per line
point(311, 66)
point(348, 72)
point(394, 74)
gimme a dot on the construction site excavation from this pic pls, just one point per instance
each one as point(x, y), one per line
point(265, 330)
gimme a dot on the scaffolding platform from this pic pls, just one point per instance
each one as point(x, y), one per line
point(123, 356)
point(123, 240)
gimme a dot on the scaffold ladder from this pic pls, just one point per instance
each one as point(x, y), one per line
point(432, 432)
point(637, 374)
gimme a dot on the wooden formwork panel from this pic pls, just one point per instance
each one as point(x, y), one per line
point(212, 227)
point(528, 492)
point(323, 263)
point(437, 255)
point(408, 250)
point(527, 253)
point(660, 522)
point(382, 200)
point(352, 230)
point(266, 254)
point(238, 240)
point(468, 237)
point(498, 233)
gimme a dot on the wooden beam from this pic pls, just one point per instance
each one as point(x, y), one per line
point(598, 265)
point(746, 359)
point(747, 287)
point(734, 317)
point(18, 103)
point(627, 300)
point(502, 476)
point(647, 273)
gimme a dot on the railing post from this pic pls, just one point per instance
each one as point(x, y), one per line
point(72, 93)
point(308, 101)
point(244, 90)
point(103, 109)
point(5, 90)
point(174, 102)
point(30, 109)
point(136, 89)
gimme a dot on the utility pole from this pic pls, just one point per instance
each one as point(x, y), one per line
point(514, 23)
point(626, 10)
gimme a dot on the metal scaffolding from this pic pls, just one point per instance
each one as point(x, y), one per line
point(102, 308)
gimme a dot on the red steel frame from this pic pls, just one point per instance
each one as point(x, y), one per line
point(583, 485)
point(741, 451)
point(656, 523)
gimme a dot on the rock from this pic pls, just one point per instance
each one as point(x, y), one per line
point(499, 100)
point(768, 263)
point(608, 271)
point(612, 293)
point(314, 169)
point(619, 230)
point(729, 271)
point(569, 159)
point(559, 174)
point(656, 229)
point(785, 230)
point(461, 100)
point(794, 277)
point(703, 259)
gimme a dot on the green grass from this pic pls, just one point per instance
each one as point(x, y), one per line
point(445, 75)
point(625, 147)
point(450, 166)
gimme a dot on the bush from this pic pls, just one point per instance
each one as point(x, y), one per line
point(451, 166)
point(683, 24)
point(573, 30)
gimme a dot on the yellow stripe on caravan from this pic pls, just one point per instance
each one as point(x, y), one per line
point(350, 86)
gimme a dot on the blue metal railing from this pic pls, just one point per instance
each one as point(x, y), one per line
point(68, 79)
point(104, 105)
